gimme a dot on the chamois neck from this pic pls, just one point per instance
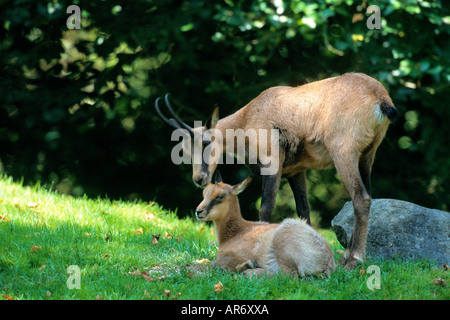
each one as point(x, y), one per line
point(231, 225)
point(233, 121)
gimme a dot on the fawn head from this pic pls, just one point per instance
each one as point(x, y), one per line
point(218, 197)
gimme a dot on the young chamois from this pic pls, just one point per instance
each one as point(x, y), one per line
point(292, 246)
point(338, 122)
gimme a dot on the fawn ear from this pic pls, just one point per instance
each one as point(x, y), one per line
point(238, 188)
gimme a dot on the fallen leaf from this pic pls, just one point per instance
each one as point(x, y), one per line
point(135, 273)
point(176, 296)
point(439, 282)
point(155, 239)
point(150, 216)
point(4, 218)
point(48, 293)
point(42, 267)
point(98, 297)
point(202, 261)
point(167, 293)
point(107, 237)
point(446, 267)
point(88, 234)
point(179, 239)
point(167, 235)
point(35, 248)
point(33, 204)
point(362, 272)
point(139, 231)
point(106, 256)
point(146, 294)
point(146, 276)
point(7, 297)
point(218, 287)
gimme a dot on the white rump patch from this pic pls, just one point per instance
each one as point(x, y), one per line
point(379, 115)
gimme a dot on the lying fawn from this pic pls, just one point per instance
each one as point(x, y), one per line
point(292, 246)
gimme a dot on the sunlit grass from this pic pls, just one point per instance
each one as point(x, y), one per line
point(141, 251)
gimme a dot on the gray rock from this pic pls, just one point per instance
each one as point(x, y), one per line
point(400, 229)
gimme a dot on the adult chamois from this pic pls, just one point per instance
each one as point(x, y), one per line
point(292, 246)
point(337, 121)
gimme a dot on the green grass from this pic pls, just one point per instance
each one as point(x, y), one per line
point(42, 233)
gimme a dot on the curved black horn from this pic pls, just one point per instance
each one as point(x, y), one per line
point(166, 99)
point(177, 123)
point(171, 122)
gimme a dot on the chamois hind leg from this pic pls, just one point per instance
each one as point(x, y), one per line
point(298, 186)
point(365, 168)
point(347, 166)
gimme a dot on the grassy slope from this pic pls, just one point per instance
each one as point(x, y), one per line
point(42, 233)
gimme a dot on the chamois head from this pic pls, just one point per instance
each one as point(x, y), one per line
point(217, 197)
point(198, 139)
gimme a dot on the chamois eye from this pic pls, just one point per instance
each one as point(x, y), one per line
point(220, 197)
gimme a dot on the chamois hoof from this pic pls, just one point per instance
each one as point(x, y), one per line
point(351, 262)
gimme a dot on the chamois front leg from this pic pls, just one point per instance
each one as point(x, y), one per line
point(298, 186)
point(250, 268)
point(270, 185)
point(250, 264)
point(348, 169)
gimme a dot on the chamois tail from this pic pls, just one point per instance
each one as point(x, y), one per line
point(389, 110)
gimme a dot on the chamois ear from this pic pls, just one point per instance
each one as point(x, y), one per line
point(212, 121)
point(218, 177)
point(238, 188)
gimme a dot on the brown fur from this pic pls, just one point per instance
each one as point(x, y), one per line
point(338, 122)
point(292, 246)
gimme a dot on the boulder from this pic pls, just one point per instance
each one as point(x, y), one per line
point(400, 229)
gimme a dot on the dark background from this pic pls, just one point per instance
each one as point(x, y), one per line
point(76, 106)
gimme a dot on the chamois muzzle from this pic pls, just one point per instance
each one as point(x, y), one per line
point(202, 180)
point(200, 213)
